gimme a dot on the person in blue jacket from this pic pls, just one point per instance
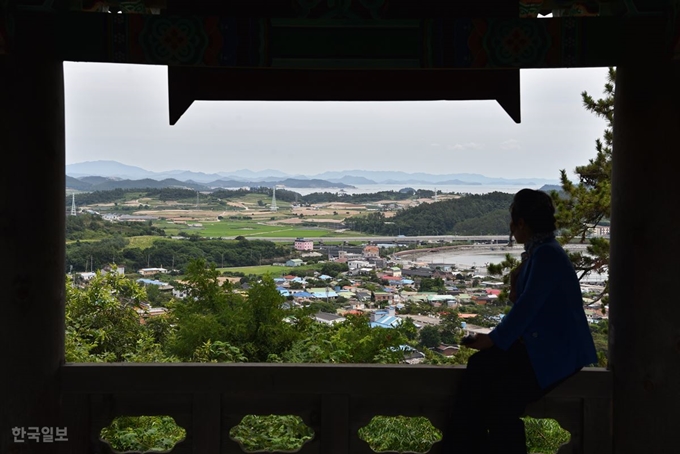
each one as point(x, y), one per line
point(543, 340)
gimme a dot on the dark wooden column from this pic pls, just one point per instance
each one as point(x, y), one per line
point(31, 233)
point(644, 332)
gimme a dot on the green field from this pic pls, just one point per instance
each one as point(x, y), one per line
point(274, 271)
point(141, 242)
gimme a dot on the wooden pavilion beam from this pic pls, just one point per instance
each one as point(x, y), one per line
point(187, 85)
point(485, 43)
point(394, 9)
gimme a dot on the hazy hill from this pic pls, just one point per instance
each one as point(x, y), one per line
point(74, 183)
point(394, 177)
point(550, 187)
point(351, 179)
point(457, 182)
point(146, 183)
point(106, 169)
point(93, 181)
point(113, 169)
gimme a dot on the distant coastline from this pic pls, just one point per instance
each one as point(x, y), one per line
point(454, 188)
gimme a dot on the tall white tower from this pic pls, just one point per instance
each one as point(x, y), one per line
point(273, 206)
point(73, 204)
point(435, 194)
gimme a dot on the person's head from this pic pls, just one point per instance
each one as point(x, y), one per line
point(532, 213)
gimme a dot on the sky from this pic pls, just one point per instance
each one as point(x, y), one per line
point(120, 113)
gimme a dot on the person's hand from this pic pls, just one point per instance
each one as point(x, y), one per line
point(482, 342)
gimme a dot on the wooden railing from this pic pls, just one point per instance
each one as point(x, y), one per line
point(334, 400)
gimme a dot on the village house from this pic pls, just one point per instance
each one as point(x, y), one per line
point(474, 329)
point(110, 268)
point(371, 251)
point(349, 255)
point(381, 297)
point(447, 350)
point(328, 319)
point(152, 271)
point(484, 300)
point(358, 264)
point(393, 271)
point(417, 272)
point(378, 262)
point(294, 262)
point(302, 244)
point(385, 318)
point(160, 284)
point(322, 293)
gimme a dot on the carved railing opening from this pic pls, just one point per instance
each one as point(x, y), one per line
point(142, 434)
point(400, 434)
point(271, 433)
point(544, 436)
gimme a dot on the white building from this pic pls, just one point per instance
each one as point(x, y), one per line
point(152, 271)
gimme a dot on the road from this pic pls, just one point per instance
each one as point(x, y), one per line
point(383, 239)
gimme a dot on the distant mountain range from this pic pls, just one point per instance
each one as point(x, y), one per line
point(104, 175)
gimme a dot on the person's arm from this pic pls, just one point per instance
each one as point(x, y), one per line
point(544, 275)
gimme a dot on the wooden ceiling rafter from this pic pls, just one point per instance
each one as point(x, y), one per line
point(370, 50)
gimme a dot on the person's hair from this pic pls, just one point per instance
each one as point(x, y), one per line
point(536, 208)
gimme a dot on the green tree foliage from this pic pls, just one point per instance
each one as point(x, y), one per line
point(400, 434)
point(504, 269)
point(353, 341)
point(102, 323)
point(268, 333)
point(544, 435)
point(468, 215)
point(325, 197)
point(143, 433)
point(286, 433)
point(430, 337)
point(428, 284)
point(206, 314)
point(92, 226)
point(450, 328)
point(332, 269)
point(584, 204)
point(81, 255)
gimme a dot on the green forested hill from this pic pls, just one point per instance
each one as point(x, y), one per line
point(483, 214)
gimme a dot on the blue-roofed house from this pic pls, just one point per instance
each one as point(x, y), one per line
point(411, 355)
point(161, 285)
point(325, 277)
point(283, 291)
point(385, 318)
point(387, 321)
point(320, 292)
point(302, 295)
